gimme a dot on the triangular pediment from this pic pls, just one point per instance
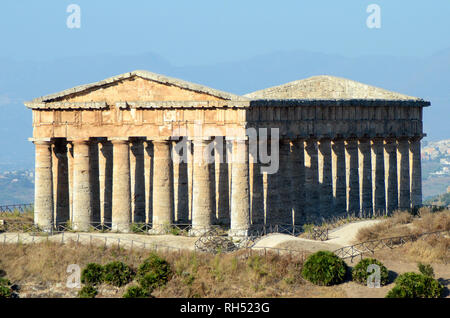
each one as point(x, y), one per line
point(137, 86)
point(327, 87)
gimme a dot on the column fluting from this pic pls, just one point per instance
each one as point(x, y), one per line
point(121, 190)
point(43, 194)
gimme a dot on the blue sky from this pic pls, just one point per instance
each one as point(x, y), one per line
point(210, 31)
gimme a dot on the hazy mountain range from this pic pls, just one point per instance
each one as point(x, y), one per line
point(426, 77)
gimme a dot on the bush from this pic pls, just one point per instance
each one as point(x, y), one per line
point(87, 291)
point(5, 288)
point(360, 274)
point(324, 268)
point(153, 272)
point(413, 285)
point(426, 269)
point(136, 292)
point(92, 274)
point(117, 274)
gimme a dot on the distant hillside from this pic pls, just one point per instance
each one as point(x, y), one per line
point(440, 200)
point(435, 167)
point(16, 187)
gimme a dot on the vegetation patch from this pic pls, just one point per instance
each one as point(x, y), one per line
point(413, 285)
point(153, 272)
point(136, 292)
point(87, 291)
point(117, 273)
point(92, 274)
point(324, 268)
point(360, 273)
point(6, 290)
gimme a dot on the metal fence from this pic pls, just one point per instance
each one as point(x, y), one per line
point(109, 241)
point(16, 207)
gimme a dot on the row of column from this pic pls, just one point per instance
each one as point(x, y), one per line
point(318, 179)
point(123, 181)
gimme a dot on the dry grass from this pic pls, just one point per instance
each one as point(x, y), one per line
point(26, 216)
point(195, 275)
point(428, 249)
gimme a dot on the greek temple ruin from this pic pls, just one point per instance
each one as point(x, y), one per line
point(131, 149)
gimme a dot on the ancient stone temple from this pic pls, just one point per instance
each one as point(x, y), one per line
point(132, 149)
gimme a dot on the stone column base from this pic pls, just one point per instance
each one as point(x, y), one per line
point(237, 233)
point(198, 231)
point(159, 230)
point(122, 228)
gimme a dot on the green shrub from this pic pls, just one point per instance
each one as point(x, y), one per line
point(153, 272)
point(87, 291)
point(360, 274)
point(5, 288)
point(117, 274)
point(426, 269)
point(92, 274)
point(136, 292)
point(324, 268)
point(413, 285)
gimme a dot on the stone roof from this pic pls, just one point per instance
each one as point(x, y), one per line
point(325, 87)
point(139, 73)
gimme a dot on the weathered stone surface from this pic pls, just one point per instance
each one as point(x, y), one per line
point(240, 199)
point(390, 162)
point(404, 199)
point(43, 195)
point(162, 186)
point(365, 176)
point(416, 173)
point(121, 192)
point(82, 192)
point(202, 203)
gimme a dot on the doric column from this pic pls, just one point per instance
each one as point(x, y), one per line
point(180, 181)
point(190, 155)
point(351, 164)
point(415, 172)
point(272, 184)
point(325, 178)
point(365, 176)
point(311, 180)
point(339, 176)
point(70, 178)
point(105, 160)
point(240, 200)
point(202, 204)
point(137, 178)
point(43, 193)
point(222, 185)
point(82, 192)
point(390, 161)
point(60, 182)
point(284, 210)
point(162, 186)
point(95, 181)
point(121, 195)
point(404, 200)
point(378, 183)
point(297, 173)
point(148, 161)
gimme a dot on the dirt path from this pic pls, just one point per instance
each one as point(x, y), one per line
point(342, 236)
point(160, 242)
